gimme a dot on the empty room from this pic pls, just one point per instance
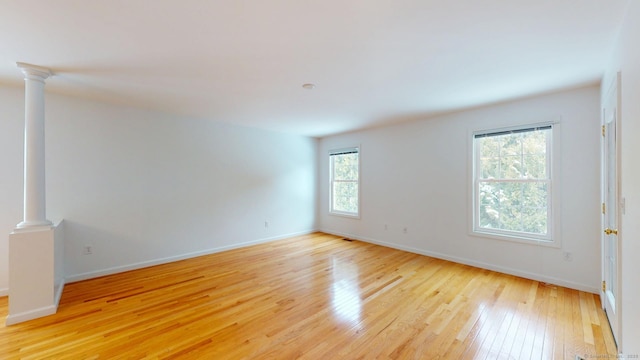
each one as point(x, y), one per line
point(412, 179)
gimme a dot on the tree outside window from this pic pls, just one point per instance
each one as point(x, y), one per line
point(344, 170)
point(513, 182)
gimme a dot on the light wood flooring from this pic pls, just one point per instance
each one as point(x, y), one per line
point(313, 297)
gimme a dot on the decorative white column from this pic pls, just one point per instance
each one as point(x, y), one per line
point(34, 166)
point(36, 247)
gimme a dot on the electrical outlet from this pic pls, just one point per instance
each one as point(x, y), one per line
point(87, 250)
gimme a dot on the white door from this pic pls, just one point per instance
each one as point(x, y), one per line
point(610, 209)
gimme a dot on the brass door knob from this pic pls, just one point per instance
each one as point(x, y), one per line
point(610, 231)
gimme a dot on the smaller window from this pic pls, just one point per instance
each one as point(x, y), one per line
point(345, 180)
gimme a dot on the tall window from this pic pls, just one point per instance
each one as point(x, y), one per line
point(512, 182)
point(344, 173)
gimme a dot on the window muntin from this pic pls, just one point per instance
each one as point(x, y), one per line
point(345, 182)
point(512, 183)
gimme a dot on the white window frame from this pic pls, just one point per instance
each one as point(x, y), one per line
point(332, 153)
point(553, 236)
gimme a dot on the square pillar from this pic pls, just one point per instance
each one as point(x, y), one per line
point(35, 279)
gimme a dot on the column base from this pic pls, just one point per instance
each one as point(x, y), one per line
point(36, 276)
point(34, 225)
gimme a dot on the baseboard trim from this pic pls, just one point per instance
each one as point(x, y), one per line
point(37, 313)
point(474, 263)
point(58, 293)
point(4, 292)
point(30, 315)
point(144, 264)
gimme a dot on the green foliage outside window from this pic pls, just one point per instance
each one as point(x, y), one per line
point(344, 187)
point(513, 181)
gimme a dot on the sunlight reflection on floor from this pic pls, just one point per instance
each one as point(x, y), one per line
point(346, 302)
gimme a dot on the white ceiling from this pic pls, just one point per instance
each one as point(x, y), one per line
point(373, 61)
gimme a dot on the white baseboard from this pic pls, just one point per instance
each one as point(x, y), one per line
point(144, 264)
point(30, 315)
point(37, 313)
point(4, 292)
point(58, 293)
point(474, 263)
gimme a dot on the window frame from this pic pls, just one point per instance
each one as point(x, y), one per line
point(552, 238)
point(336, 152)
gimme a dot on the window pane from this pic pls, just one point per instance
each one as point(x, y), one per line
point(489, 198)
point(534, 220)
point(490, 168)
point(513, 206)
point(510, 206)
point(489, 217)
point(489, 194)
point(345, 167)
point(489, 146)
point(344, 183)
point(535, 166)
point(345, 196)
point(511, 167)
point(515, 196)
point(535, 195)
point(534, 142)
point(510, 144)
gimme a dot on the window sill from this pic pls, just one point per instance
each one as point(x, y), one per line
point(345, 215)
point(516, 239)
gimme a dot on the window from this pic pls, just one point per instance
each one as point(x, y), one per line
point(344, 173)
point(513, 183)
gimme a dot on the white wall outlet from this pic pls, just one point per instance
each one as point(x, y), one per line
point(87, 250)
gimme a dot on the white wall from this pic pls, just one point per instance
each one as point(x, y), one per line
point(142, 187)
point(626, 59)
point(11, 143)
point(416, 175)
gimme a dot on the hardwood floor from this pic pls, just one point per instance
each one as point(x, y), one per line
point(313, 297)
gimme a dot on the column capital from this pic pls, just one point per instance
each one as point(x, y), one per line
point(34, 72)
